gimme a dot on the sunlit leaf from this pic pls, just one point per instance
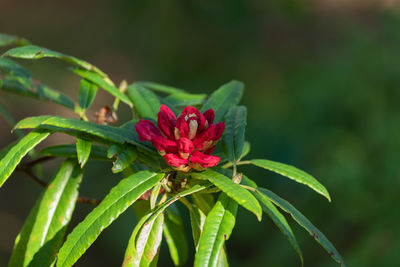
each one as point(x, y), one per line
point(36, 52)
point(69, 151)
point(292, 173)
point(43, 231)
point(303, 222)
point(218, 227)
point(144, 244)
point(78, 127)
point(235, 127)
point(233, 190)
point(124, 156)
point(116, 202)
point(227, 96)
point(87, 93)
point(104, 83)
point(83, 148)
point(197, 219)
point(10, 161)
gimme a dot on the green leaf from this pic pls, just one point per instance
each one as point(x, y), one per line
point(185, 99)
point(146, 102)
point(246, 150)
point(218, 227)
point(104, 83)
point(78, 127)
point(10, 161)
point(43, 231)
point(292, 173)
point(279, 221)
point(227, 96)
point(144, 244)
point(235, 191)
point(36, 52)
point(83, 148)
point(125, 157)
point(159, 87)
point(235, 127)
point(10, 66)
point(33, 88)
point(70, 151)
point(205, 202)
point(166, 204)
point(116, 202)
point(303, 222)
point(197, 219)
point(8, 40)
point(174, 233)
point(9, 119)
point(87, 93)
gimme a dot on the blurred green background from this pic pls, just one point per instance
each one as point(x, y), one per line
point(322, 90)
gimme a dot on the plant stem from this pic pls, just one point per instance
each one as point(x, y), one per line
point(186, 203)
point(249, 188)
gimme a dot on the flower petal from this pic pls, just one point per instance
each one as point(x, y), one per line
point(209, 114)
point(166, 121)
point(182, 128)
point(175, 161)
point(209, 137)
point(164, 145)
point(146, 130)
point(185, 147)
point(200, 161)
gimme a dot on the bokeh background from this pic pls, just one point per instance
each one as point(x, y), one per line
point(322, 90)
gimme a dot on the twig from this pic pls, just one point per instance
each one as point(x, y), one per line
point(37, 161)
point(88, 200)
point(31, 175)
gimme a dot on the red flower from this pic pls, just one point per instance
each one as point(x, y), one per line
point(185, 142)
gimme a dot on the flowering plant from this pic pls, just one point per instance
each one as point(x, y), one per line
point(174, 167)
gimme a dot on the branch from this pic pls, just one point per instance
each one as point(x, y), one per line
point(31, 175)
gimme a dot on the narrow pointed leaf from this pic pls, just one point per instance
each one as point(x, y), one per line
point(9, 66)
point(303, 222)
point(78, 127)
point(10, 161)
point(174, 233)
point(292, 173)
point(43, 232)
point(205, 202)
point(70, 151)
point(116, 202)
point(279, 221)
point(87, 93)
point(8, 40)
point(124, 159)
point(144, 244)
point(185, 99)
point(233, 190)
point(166, 204)
point(235, 127)
point(103, 83)
point(146, 102)
point(36, 52)
point(197, 219)
point(9, 119)
point(159, 87)
point(246, 150)
point(227, 96)
point(33, 88)
point(218, 227)
point(83, 148)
